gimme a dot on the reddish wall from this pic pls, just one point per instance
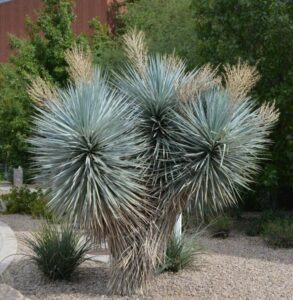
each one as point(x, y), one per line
point(14, 12)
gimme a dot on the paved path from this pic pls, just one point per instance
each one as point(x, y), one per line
point(9, 293)
point(8, 246)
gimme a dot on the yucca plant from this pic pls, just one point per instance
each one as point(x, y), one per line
point(125, 158)
point(57, 250)
point(87, 149)
point(204, 139)
point(158, 84)
point(222, 143)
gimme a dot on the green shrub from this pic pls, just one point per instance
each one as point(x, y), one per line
point(221, 226)
point(168, 25)
point(2, 177)
point(24, 201)
point(181, 253)
point(256, 226)
point(58, 250)
point(279, 233)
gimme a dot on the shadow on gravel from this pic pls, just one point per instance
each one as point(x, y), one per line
point(89, 281)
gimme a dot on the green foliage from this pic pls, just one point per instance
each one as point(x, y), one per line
point(259, 32)
point(221, 226)
point(181, 253)
point(57, 250)
point(2, 176)
point(24, 201)
point(106, 48)
point(38, 55)
point(42, 53)
point(168, 25)
point(15, 111)
point(279, 233)
point(254, 227)
point(257, 225)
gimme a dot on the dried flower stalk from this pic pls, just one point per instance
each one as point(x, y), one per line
point(240, 79)
point(200, 80)
point(80, 64)
point(41, 91)
point(136, 49)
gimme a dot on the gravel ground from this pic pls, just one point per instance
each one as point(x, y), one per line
point(236, 268)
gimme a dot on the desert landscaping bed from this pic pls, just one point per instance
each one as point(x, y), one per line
point(239, 267)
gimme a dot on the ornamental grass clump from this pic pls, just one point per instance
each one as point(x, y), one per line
point(124, 157)
point(182, 252)
point(221, 226)
point(58, 250)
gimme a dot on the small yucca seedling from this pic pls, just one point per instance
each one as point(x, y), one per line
point(57, 250)
point(182, 252)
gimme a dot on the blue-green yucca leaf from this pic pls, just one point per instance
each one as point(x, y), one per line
point(156, 94)
point(221, 145)
point(86, 147)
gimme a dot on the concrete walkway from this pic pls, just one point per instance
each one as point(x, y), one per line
point(8, 246)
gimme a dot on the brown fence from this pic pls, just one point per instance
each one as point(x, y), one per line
point(14, 12)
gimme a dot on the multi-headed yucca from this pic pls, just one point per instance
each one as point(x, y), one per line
point(204, 138)
point(124, 163)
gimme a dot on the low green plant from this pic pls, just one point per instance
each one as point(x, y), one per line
point(57, 250)
point(39, 209)
point(256, 226)
point(2, 177)
point(279, 233)
point(181, 253)
point(221, 226)
point(21, 200)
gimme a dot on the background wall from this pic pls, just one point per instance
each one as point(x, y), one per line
point(14, 12)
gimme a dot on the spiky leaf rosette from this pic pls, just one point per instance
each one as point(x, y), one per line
point(86, 148)
point(156, 93)
point(222, 144)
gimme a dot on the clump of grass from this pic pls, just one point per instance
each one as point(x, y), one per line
point(220, 227)
point(57, 250)
point(279, 233)
point(182, 252)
